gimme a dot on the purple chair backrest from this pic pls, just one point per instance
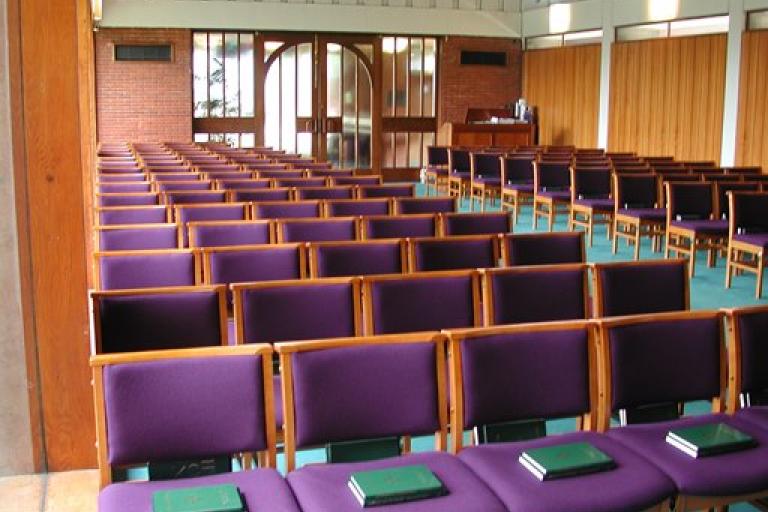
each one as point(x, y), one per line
point(249, 184)
point(249, 264)
point(356, 180)
point(157, 319)
point(475, 223)
point(400, 227)
point(227, 175)
point(176, 176)
point(221, 234)
point(132, 199)
point(165, 186)
point(437, 156)
point(452, 253)
point(412, 205)
point(640, 287)
point(536, 294)
point(331, 173)
point(345, 208)
point(281, 174)
point(320, 230)
point(370, 191)
point(517, 170)
point(524, 374)
point(590, 183)
point(191, 213)
point(356, 258)
point(300, 182)
point(721, 194)
point(750, 211)
point(194, 197)
point(690, 200)
point(269, 312)
point(379, 389)
point(399, 304)
point(132, 215)
point(117, 178)
point(184, 408)
point(459, 160)
point(486, 165)
point(683, 352)
point(749, 326)
point(119, 188)
point(552, 175)
point(544, 248)
point(146, 270)
point(261, 194)
point(635, 190)
point(138, 237)
point(325, 193)
point(286, 209)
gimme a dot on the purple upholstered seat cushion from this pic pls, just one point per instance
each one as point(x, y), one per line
point(263, 489)
point(544, 248)
point(286, 210)
point(248, 265)
point(130, 323)
point(359, 259)
point(647, 288)
point(555, 195)
point(364, 391)
point(286, 313)
point(183, 408)
point(704, 227)
point(452, 254)
point(649, 214)
point(219, 212)
point(521, 297)
point(312, 231)
point(195, 197)
point(262, 194)
point(633, 485)
point(147, 270)
point(322, 488)
point(598, 204)
point(426, 304)
point(482, 224)
point(133, 215)
point(347, 208)
point(235, 233)
point(138, 238)
point(109, 188)
point(399, 227)
point(139, 199)
point(410, 205)
point(756, 239)
point(736, 473)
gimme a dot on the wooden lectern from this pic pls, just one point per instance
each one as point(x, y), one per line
point(478, 131)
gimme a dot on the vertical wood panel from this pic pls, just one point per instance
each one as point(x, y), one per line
point(564, 85)
point(50, 112)
point(752, 127)
point(667, 97)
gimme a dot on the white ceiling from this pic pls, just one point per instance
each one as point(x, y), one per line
point(528, 5)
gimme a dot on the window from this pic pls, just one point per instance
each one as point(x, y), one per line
point(236, 140)
point(566, 39)
point(677, 28)
point(223, 74)
point(757, 20)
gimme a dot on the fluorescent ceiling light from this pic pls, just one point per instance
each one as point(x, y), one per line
point(559, 18)
point(659, 10)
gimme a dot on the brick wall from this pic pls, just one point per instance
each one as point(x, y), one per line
point(143, 100)
point(462, 87)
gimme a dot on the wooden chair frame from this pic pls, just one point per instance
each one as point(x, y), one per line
point(489, 306)
point(191, 237)
point(481, 190)
point(368, 281)
point(156, 186)
point(297, 191)
point(436, 180)
point(285, 350)
point(318, 205)
point(505, 258)
point(738, 253)
point(239, 288)
point(155, 195)
point(164, 196)
point(206, 252)
point(148, 184)
point(735, 372)
point(598, 298)
point(544, 206)
point(174, 210)
point(633, 229)
point(314, 247)
point(98, 256)
point(303, 182)
point(590, 217)
point(279, 223)
point(95, 296)
point(98, 362)
point(513, 199)
point(335, 184)
point(327, 202)
point(99, 209)
point(397, 200)
point(219, 184)
point(122, 227)
point(364, 219)
point(197, 176)
point(384, 186)
point(232, 192)
point(441, 218)
point(412, 263)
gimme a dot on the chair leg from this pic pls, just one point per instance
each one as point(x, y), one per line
point(571, 218)
point(515, 209)
point(637, 242)
point(482, 202)
point(591, 228)
point(535, 215)
point(760, 268)
point(615, 241)
point(551, 217)
point(728, 267)
point(667, 241)
point(692, 260)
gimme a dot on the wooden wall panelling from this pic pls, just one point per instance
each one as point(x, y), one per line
point(47, 125)
point(667, 97)
point(752, 130)
point(564, 85)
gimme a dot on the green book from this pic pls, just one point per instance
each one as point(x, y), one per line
point(564, 460)
point(710, 439)
point(212, 498)
point(362, 450)
point(395, 485)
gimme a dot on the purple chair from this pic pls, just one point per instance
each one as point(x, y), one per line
point(637, 213)
point(325, 193)
point(190, 405)
point(268, 312)
point(245, 264)
point(591, 201)
point(122, 188)
point(145, 269)
point(153, 214)
point(286, 209)
point(159, 318)
point(436, 171)
point(135, 237)
point(375, 227)
point(515, 374)
point(331, 173)
point(300, 182)
point(179, 186)
point(185, 213)
point(459, 171)
point(316, 230)
point(193, 197)
point(372, 191)
point(416, 205)
point(722, 188)
point(319, 166)
point(485, 178)
point(175, 176)
point(686, 354)
point(421, 302)
point(551, 191)
point(517, 183)
point(747, 364)
point(544, 293)
point(102, 178)
point(229, 233)
point(339, 259)
point(226, 175)
point(355, 180)
point(349, 207)
point(454, 253)
point(543, 248)
point(633, 288)
point(381, 387)
point(453, 224)
point(261, 194)
point(747, 236)
point(242, 184)
point(279, 174)
point(129, 199)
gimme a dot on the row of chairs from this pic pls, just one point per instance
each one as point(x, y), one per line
point(268, 310)
point(185, 267)
point(194, 404)
point(229, 181)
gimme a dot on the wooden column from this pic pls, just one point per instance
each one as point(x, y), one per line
point(50, 45)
